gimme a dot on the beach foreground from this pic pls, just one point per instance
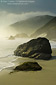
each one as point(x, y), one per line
point(47, 76)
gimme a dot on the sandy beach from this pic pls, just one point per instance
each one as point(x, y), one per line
point(47, 76)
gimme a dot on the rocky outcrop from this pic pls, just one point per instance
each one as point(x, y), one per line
point(36, 48)
point(11, 38)
point(28, 66)
point(22, 35)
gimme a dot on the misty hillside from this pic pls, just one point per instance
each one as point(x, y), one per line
point(32, 24)
point(48, 30)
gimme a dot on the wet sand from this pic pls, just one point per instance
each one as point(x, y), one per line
point(47, 76)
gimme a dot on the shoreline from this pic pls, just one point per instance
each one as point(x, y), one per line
point(46, 76)
point(20, 60)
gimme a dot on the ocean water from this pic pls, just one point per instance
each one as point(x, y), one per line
point(7, 48)
point(53, 44)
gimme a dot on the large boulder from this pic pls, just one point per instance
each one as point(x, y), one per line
point(28, 66)
point(39, 48)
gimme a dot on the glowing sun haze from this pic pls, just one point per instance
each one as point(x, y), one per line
point(10, 14)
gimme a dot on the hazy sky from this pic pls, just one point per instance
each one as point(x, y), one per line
point(35, 5)
point(12, 11)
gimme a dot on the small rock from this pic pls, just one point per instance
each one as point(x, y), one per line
point(11, 38)
point(28, 66)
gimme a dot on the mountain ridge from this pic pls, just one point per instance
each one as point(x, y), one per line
point(49, 29)
point(31, 24)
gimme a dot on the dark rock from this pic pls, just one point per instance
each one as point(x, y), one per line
point(28, 66)
point(43, 56)
point(36, 48)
